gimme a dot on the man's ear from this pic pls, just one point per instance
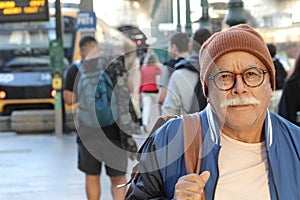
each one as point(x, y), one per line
point(190, 46)
point(174, 48)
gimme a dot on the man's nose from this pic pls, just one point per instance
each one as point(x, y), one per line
point(240, 85)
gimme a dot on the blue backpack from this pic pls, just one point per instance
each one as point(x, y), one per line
point(97, 101)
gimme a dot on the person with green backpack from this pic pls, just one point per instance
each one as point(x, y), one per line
point(99, 140)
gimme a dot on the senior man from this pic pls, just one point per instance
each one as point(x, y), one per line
point(247, 152)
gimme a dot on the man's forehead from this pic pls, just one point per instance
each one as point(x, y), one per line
point(241, 59)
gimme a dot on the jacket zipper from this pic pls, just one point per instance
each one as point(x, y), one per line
point(215, 186)
point(271, 169)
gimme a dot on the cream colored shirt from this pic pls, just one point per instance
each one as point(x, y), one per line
point(243, 171)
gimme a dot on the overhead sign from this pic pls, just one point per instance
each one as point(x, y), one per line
point(86, 20)
point(24, 10)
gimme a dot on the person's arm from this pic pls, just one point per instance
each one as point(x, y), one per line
point(69, 97)
point(171, 104)
point(130, 85)
point(163, 83)
point(69, 85)
point(162, 95)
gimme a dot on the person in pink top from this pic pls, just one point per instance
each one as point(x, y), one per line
point(150, 71)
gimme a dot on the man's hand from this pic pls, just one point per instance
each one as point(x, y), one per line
point(191, 186)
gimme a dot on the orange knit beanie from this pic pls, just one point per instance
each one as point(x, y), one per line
point(237, 38)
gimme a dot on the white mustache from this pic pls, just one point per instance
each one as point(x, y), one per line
point(239, 101)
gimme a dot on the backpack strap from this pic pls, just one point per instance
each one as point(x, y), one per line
point(192, 136)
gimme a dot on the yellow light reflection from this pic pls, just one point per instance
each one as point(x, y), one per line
point(12, 11)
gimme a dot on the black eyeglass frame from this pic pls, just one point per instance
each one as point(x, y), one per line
point(263, 72)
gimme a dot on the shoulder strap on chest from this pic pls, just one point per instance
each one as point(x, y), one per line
point(192, 136)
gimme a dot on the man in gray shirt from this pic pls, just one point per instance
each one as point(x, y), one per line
point(186, 75)
point(178, 49)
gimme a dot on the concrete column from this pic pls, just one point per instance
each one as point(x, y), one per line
point(86, 5)
point(236, 13)
point(58, 98)
point(204, 19)
point(188, 26)
point(178, 17)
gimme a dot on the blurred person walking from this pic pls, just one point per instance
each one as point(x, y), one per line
point(178, 49)
point(280, 72)
point(150, 71)
point(132, 67)
point(180, 94)
point(289, 104)
point(87, 161)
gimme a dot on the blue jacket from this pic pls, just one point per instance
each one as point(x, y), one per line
point(162, 169)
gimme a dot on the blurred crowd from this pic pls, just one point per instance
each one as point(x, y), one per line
point(167, 87)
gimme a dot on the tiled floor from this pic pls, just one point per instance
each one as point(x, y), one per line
point(43, 167)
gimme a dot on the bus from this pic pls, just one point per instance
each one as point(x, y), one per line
point(25, 75)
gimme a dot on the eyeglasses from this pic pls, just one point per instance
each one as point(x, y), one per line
point(252, 77)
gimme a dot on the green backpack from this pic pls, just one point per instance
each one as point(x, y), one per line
point(98, 103)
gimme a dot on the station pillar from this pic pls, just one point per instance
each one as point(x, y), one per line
point(236, 13)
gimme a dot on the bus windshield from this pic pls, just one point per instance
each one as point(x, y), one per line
point(26, 44)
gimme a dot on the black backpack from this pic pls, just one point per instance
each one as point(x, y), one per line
point(280, 74)
point(127, 118)
point(199, 101)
